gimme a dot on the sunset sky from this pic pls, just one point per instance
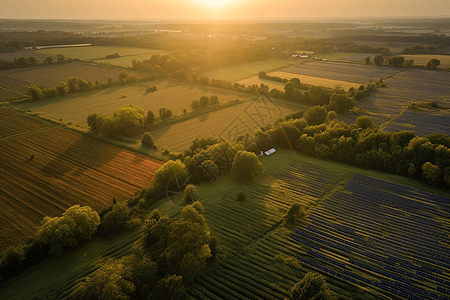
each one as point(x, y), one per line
point(214, 9)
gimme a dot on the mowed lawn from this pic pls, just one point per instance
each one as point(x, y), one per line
point(171, 94)
point(423, 59)
point(95, 52)
point(238, 72)
point(226, 123)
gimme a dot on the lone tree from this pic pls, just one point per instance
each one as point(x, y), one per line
point(312, 286)
point(378, 60)
point(367, 60)
point(246, 166)
point(295, 212)
point(147, 140)
point(432, 64)
point(150, 117)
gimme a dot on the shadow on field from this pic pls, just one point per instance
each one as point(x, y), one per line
point(75, 157)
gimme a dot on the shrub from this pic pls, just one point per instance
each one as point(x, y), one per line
point(378, 60)
point(295, 211)
point(147, 140)
point(195, 104)
point(213, 100)
point(365, 122)
point(241, 196)
point(204, 101)
point(151, 88)
point(312, 286)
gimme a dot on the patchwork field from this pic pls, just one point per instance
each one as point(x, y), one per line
point(52, 75)
point(7, 94)
point(171, 94)
point(242, 71)
point(320, 81)
point(228, 123)
point(356, 73)
point(45, 169)
point(9, 56)
point(259, 259)
point(96, 52)
point(385, 105)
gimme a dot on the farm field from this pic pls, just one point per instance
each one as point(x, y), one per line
point(171, 94)
point(311, 80)
point(126, 61)
point(228, 123)
point(96, 52)
point(52, 75)
point(255, 251)
point(385, 105)
point(7, 94)
point(423, 59)
point(359, 57)
point(356, 73)
point(332, 55)
point(67, 169)
point(242, 71)
point(9, 56)
point(12, 123)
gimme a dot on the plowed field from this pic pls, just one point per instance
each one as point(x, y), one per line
point(67, 169)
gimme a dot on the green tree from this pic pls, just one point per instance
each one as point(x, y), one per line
point(95, 121)
point(190, 193)
point(289, 88)
point(319, 95)
point(61, 88)
point(340, 103)
point(150, 117)
point(365, 122)
point(431, 173)
point(367, 60)
point(295, 212)
point(213, 99)
point(316, 115)
point(432, 64)
point(76, 224)
point(204, 101)
point(147, 140)
point(311, 287)
point(34, 92)
point(246, 166)
point(378, 60)
point(116, 220)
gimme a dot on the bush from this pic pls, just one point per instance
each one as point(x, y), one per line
point(151, 88)
point(213, 100)
point(165, 113)
point(246, 166)
point(195, 104)
point(204, 101)
point(312, 286)
point(295, 211)
point(147, 140)
point(241, 196)
point(378, 60)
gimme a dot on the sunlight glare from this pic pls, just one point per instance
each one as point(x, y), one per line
point(216, 3)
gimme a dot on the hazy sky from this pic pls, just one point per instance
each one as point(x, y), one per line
point(191, 9)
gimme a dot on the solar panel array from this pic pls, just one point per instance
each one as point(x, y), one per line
point(382, 235)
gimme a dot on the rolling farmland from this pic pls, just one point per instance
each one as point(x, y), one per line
point(361, 74)
point(371, 239)
point(52, 75)
point(423, 59)
point(66, 169)
point(171, 94)
point(242, 71)
point(96, 52)
point(227, 123)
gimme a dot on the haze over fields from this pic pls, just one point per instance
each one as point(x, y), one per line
point(217, 9)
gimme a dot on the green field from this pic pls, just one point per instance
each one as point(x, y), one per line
point(253, 248)
point(238, 72)
point(318, 81)
point(227, 123)
point(125, 61)
point(171, 94)
point(96, 52)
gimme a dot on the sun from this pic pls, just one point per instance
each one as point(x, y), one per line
point(217, 3)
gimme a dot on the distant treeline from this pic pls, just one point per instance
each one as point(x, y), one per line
point(23, 62)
